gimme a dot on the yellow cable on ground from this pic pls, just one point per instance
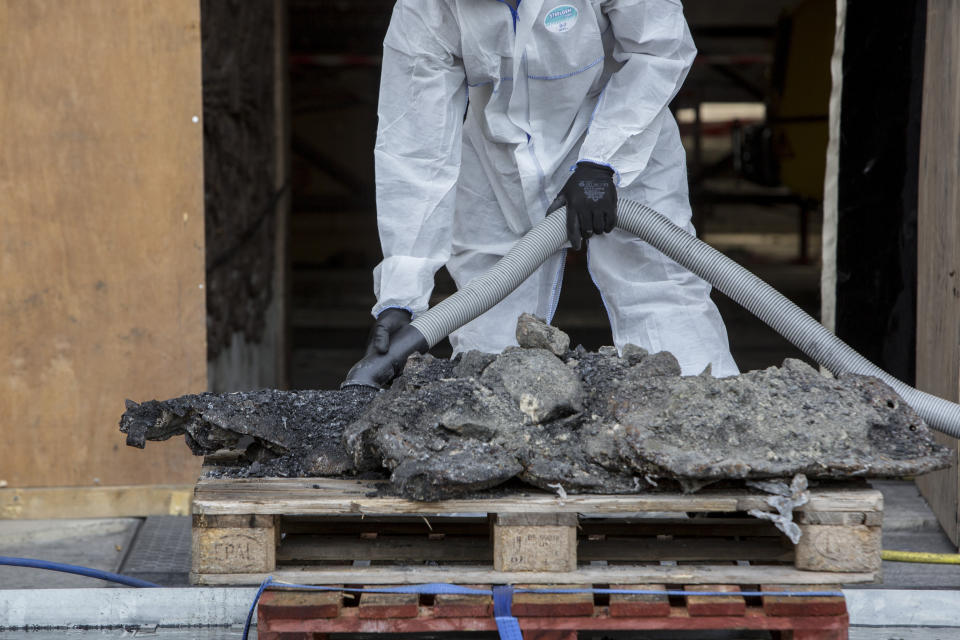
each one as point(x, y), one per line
point(920, 556)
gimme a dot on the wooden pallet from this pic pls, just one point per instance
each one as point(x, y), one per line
point(294, 615)
point(331, 531)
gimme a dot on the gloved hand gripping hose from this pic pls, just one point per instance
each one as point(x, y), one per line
point(748, 290)
point(378, 369)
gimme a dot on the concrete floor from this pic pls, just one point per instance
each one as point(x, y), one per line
point(100, 544)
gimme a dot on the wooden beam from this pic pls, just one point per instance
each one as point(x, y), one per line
point(281, 269)
point(658, 574)
point(938, 241)
point(328, 496)
point(133, 501)
point(305, 549)
point(246, 150)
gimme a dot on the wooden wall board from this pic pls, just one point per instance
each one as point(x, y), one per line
point(938, 248)
point(130, 501)
point(101, 234)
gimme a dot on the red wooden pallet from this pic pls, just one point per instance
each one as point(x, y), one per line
point(303, 615)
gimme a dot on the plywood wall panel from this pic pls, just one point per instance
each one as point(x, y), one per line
point(938, 241)
point(101, 234)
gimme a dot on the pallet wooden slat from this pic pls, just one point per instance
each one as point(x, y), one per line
point(338, 524)
point(304, 548)
point(457, 605)
point(627, 605)
point(301, 604)
point(748, 527)
point(546, 634)
point(650, 549)
point(538, 605)
point(310, 548)
point(803, 605)
point(732, 605)
point(628, 574)
point(384, 525)
point(337, 496)
point(381, 606)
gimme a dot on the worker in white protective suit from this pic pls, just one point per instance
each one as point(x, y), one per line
point(493, 112)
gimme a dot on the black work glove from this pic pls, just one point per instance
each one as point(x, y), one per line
point(388, 323)
point(591, 199)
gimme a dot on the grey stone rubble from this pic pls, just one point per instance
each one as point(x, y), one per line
point(586, 422)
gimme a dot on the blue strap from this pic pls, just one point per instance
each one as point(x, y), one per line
point(507, 625)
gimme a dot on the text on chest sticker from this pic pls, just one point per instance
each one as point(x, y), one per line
point(561, 19)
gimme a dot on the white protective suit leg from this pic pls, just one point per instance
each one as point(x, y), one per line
point(651, 300)
point(481, 236)
point(496, 329)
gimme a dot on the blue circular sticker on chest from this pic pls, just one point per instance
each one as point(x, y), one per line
point(561, 19)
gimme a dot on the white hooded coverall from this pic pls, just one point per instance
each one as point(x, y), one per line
point(548, 83)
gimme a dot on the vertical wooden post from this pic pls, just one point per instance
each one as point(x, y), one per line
point(938, 291)
point(246, 161)
point(281, 273)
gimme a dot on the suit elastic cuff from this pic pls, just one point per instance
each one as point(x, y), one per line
point(378, 309)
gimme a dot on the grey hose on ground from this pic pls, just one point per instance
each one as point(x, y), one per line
point(748, 290)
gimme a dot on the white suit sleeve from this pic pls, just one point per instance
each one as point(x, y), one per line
point(655, 48)
point(417, 155)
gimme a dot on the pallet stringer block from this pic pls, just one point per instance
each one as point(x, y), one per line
point(231, 544)
point(535, 542)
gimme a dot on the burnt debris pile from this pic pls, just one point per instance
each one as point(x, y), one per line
point(559, 419)
point(265, 433)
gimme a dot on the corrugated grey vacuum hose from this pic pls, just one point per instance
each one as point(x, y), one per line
point(491, 287)
point(751, 292)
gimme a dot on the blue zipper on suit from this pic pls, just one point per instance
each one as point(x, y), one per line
point(513, 12)
point(558, 278)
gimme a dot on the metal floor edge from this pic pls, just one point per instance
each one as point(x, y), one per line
point(225, 607)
